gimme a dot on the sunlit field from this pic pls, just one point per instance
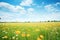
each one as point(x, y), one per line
point(30, 31)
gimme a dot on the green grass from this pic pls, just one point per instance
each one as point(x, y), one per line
point(30, 31)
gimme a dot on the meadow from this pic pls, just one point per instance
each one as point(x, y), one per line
point(30, 31)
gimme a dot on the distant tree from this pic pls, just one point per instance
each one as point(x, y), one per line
point(0, 18)
point(48, 21)
point(28, 21)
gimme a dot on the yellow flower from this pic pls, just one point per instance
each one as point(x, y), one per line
point(38, 38)
point(28, 35)
point(17, 32)
point(37, 30)
point(5, 37)
point(23, 35)
point(41, 36)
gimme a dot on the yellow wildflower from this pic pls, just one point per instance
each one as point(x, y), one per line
point(5, 37)
point(38, 38)
point(41, 36)
point(23, 35)
point(17, 32)
point(28, 35)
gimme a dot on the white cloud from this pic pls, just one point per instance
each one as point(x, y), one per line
point(20, 9)
point(15, 13)
point(53, 12)
point(16, 9)
point(58, 3)
point(49, 8)
point(8, 6)
point(5, 16)
point(12, 8)
point(52, 7)
point(26, 3)
point(30, 9)
point(10, 17)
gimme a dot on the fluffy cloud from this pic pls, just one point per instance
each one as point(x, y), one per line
point(12, 8)
point(15, 9)
point(53, 11)
point(11, 17)
point(5, 16)
point(15, 12)
point(52, 7)
point(26, 3)
point(20, 9)
point(8, 6)
point(30, 10)
point(49, 8)
point(29, 14)
point(58, 3)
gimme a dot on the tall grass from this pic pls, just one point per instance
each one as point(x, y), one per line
point(30, 31)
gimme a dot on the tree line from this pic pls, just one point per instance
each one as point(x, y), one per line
point(43, 21)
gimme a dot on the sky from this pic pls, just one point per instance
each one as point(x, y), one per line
point(29, 10)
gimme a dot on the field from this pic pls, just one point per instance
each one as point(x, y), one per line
point(30, 31)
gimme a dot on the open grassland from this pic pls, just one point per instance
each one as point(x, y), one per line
point(30, 31)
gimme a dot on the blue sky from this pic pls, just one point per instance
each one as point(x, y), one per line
point(29, 10)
